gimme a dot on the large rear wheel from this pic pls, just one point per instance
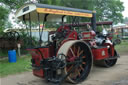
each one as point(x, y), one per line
point(77, 53)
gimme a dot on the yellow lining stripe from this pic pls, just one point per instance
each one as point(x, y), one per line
point(62, 12)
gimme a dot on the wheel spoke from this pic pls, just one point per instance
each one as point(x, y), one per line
point(72, 52)
point(74, 48)
point(83, 56)
point(78, 51)
point(81, 52)
point(84, 63)
point(68, 69)
point(73, 75)
point(81, 68)
point(78, 72)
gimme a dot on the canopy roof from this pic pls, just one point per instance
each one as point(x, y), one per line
point(55, 12)
point(97, 23)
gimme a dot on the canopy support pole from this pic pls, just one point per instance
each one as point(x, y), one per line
point(45, 19)
point(28, 34)
point(63, 19)
point(30, 28)
point(40, 40)
point(93, 22)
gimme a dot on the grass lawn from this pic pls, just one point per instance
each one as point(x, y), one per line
point(23, 64)
point(122, 48)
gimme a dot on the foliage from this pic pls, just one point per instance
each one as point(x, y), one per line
point(3, 17)
point(1, 31)
point(26, 41)
point(105, 9)
point(13, 4)
point(22, 65)
point(3, 53)
point(126, 20)
point(51, 2)
point(8, 24)
point(122, 48)
point(109, 10)
point(52, 25)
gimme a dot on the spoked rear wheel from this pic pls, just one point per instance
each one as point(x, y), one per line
point(77, 52)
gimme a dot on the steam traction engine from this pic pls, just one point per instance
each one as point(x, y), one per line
point(69, 54)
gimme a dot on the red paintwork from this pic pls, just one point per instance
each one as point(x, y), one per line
point(111, 49)
point(36, 55)
point(72, 35)
point(86, 35)
point(100, 53)
point(72, 57)
point(64, 28)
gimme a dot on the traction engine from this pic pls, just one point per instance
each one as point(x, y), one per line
point(69, 53)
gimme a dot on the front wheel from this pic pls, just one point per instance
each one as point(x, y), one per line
point(107, 62)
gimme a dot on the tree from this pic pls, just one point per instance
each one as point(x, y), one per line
point(126, 20)
point(3, 17)
point(6, 8)
point(14, 4)
point(109, 10)
point(105, 9)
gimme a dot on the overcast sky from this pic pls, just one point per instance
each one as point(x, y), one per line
point(125, 12)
